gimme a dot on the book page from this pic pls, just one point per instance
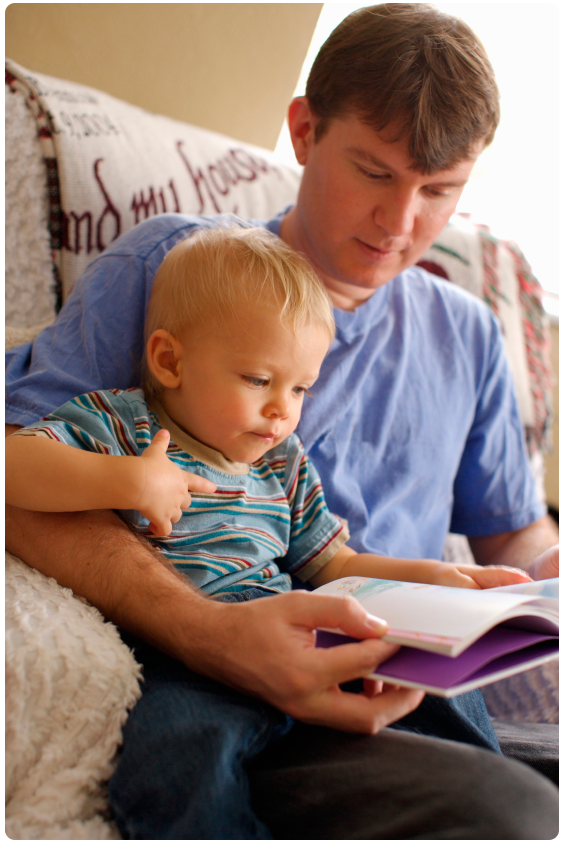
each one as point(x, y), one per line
point(543, 588)
point(428, 615)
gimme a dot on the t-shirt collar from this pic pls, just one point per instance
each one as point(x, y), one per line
point(202, 453)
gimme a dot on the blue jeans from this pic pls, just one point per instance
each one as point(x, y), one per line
point(189, 743)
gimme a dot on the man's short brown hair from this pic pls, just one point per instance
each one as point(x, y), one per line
point(407, 67)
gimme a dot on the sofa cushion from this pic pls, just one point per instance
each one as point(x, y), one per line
point(70, 681)
point(111, 165)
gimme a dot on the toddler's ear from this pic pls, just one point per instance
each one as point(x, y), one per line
point(163, 355)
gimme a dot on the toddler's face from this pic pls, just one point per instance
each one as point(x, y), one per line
point(242, 392)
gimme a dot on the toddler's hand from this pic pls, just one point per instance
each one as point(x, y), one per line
point(480, 576)
point(165, 491)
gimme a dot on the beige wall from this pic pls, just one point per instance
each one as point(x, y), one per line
point(551, 463)
point(231, 67)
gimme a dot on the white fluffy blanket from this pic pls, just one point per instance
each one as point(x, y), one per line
point(70, 681)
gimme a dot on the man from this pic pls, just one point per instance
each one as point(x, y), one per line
point(399, 104)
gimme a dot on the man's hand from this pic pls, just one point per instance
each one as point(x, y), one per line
point(545, 565)
point(267, 649)
point(165, 491)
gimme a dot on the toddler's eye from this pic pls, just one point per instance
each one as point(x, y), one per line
point(256, 382)
point(301, 390)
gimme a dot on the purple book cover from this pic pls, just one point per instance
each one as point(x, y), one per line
point(498, 650)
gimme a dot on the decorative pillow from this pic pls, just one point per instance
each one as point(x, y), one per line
point(497, 272)
point(111, 165)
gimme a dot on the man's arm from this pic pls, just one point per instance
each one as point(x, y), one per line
point(263, 647)
point(532, 548)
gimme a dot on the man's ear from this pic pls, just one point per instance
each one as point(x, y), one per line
point(163, 354)
point(302, 124)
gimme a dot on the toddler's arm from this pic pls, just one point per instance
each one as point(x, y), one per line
point(346, 562)
point(47, 476)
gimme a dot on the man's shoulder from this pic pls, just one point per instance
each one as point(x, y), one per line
point(423, 286)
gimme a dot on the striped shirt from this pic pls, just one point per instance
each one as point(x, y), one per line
point(272, 511)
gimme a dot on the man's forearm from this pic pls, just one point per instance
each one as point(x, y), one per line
point(264, 647)
point(99, 558)
point(518, 549)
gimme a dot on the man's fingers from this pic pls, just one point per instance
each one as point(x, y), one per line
point(372, 687)
point(356, 714)
point(336, 613)
point(546, 565)
point(351, 661)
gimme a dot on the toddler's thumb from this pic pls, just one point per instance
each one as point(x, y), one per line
point(161, 440)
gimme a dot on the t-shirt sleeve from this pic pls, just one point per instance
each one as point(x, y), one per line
point(494, 490)
point(316, 534)
point(96, 340)
point(100, 422)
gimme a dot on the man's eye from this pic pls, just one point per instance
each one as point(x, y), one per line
point(256, 382)
point(372, 176)
point(436, 192)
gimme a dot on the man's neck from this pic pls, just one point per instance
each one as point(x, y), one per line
point(343, 295)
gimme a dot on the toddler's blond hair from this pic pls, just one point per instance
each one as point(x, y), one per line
point(205, 280)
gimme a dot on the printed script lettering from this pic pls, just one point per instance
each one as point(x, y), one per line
point(216, 180)
point(213, 183)
point(82, 225)
point(156, 202)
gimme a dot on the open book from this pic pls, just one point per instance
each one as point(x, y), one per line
point(455, 639)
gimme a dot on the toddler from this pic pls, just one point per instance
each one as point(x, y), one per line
point(236, 330)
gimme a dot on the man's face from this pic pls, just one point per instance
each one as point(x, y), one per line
point(363, 215)
point(242, 391)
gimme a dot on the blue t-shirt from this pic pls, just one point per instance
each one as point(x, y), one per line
point(413, 425)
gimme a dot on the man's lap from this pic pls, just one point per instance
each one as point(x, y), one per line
point(191, 746)
point(318, 783)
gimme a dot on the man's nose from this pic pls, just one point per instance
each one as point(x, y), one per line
point(397, 212)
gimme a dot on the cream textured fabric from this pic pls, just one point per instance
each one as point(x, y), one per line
point(118, 164)
point(29, 282)
point(69, 683)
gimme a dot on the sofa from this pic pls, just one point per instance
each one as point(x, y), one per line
point(81, 168)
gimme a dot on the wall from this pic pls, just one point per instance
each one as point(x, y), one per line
point(231, 67)
point(551, 461)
